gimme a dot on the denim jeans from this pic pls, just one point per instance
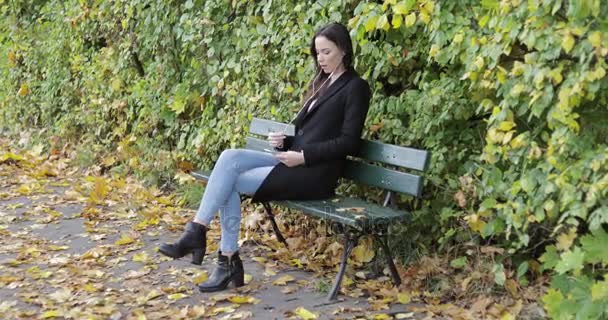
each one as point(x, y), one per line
point(236, 172)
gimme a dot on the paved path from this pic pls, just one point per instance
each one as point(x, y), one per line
point(60, 258)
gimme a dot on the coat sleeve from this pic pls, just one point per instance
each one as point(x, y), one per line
point(357, 105)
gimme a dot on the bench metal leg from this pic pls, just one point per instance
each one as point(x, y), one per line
point(350, 241)
point(275, 227)
point(389, 259)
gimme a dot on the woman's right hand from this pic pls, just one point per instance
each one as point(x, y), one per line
point(275, 139)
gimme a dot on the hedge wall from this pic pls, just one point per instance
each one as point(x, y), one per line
point(510, 96)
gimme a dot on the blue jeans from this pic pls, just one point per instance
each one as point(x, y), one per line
point(236, 172)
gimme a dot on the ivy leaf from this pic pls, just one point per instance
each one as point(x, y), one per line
point(570, 260)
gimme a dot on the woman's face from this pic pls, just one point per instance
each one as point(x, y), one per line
point(329, 56)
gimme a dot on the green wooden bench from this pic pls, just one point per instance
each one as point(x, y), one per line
point(374, 219)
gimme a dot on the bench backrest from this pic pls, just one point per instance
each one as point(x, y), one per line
point(359, 169)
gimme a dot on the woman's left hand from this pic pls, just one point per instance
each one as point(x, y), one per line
point(291, 158)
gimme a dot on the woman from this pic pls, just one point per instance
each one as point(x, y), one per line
point(307, 166)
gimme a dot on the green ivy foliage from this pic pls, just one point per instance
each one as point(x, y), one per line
point(509, 96)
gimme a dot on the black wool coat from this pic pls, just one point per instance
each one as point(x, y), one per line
point(326, 134)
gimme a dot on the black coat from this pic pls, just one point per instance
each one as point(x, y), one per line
point(326, 134)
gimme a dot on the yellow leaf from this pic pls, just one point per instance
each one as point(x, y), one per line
point(282, 281)
point(397, 21)
point(243, 299)
point(261, 260)
point(404, 315)
point(400, 8)
point(479, 63)
point(23, 90)
point(305, 314)
point(434, 51)
point(382, 23)
point(124, 240)
point(52, 314)
point(248, 278)
point(595, 38)
point(57, 248)
point(100, 191)
point(458, 37)
point(381, 316)
point(404, 297)
point(141, 257)
point(568, 43)
point(370, 24)
point(425, 17)
point(506, 125)
point(364, 252)
point(177, 296)
point(565, 240)
point(410, 19)
point(201, 277)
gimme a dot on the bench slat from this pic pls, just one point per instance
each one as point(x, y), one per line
point(394, 155)
point(263, 126)
point(256, 144)
point(370, 150)
point(383, 178)
point(350, 211)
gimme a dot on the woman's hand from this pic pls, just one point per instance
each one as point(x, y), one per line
point(291, 158)
point(275, 139)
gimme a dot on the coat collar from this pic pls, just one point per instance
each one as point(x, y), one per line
point(332, 90)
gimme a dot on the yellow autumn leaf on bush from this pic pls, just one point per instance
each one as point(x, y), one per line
point(568, 43)
point(23, 90)
point(410, 19)
point(124, 240)
point(595, 38)
point(364, 252)
point(305, 314)
point(397, 21)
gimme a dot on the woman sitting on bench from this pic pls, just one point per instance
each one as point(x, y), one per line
point(305, 166)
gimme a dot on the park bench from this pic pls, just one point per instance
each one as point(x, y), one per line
point(354, 217)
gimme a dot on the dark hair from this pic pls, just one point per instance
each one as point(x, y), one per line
point(338, 34)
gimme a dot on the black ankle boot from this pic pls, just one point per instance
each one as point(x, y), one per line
point(193, 240)
point(228, 269)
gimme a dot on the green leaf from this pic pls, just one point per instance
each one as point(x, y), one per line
point(550, 258)
point(553, 301)
point(570, 260)
point(459, 263)
point(595, 247)
point(499, 274)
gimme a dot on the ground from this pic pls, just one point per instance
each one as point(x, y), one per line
point(75, 244)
